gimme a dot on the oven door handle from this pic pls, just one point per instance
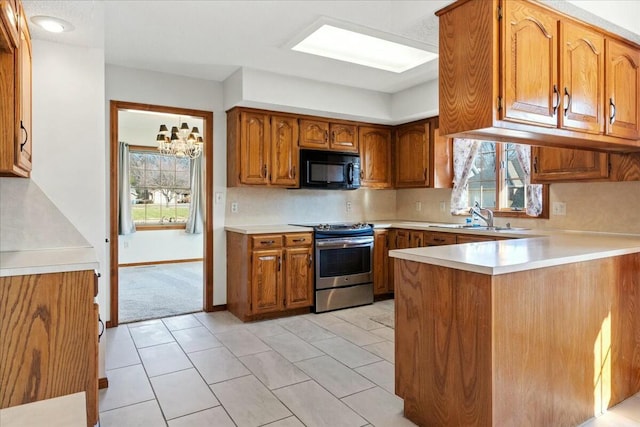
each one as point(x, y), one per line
point(344, 242)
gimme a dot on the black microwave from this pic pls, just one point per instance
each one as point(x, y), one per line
point(329, 170)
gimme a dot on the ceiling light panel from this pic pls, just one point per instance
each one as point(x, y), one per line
point(345, 45)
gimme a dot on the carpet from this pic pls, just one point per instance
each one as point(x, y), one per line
point(153, 291)
point(387, 319)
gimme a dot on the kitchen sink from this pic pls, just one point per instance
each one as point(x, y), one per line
point(477, 227)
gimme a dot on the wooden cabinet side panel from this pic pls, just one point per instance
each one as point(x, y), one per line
point(443, 344)
point(238, 273)
point(233, 148)
point(92, 377)
point(23, 138)
point(441, 160)
point(468, 48)
point(48, 337)
point(381, 262)
point(7, 112)
point(622, 71)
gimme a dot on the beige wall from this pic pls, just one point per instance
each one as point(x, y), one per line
point(601, 206)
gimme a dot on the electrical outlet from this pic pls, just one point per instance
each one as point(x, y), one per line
point(348, 206)
point(234, 207)
point(218, 197)
point(126, 244)
point(443, 206)
point(559, 208)
point(418, 206)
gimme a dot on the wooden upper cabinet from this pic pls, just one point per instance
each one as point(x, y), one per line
point(519, 71)
point(561, 164)
point(375, 156)
point(23, 98)
point(343, 137)
point(622, 93)
point(531, 91)
point(266, 281)
point(582, 78)
point(284, 152)
point(324, 135)
point(254, 147)
point(412, 156)
point(314, 134)
point(9, 26)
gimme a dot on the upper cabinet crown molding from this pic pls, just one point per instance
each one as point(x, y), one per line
point(518, 71)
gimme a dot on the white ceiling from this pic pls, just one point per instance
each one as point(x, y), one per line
point(211, 39)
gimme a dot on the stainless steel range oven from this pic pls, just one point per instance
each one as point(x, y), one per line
point(343, 258)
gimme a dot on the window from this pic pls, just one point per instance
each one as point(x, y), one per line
point(160, 188)
point(498, 181)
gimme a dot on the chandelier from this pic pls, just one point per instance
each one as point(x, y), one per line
point(180, 142)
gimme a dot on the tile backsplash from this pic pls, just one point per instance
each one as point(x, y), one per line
point(598, 206)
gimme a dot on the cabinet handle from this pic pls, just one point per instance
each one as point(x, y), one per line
point(425, 173)
point(310, 260)
point(264, 170)
point(333, 136)
point(293, 172)
point(326, 136)
point(612, 108)
point(567, 94)
point(279, 263)
point(26, 136)
point(437, 239)
point(557, 93)
point(535, 164)
point(101, 324)
point(299, 240)
point(267, 242)
point(361, 174)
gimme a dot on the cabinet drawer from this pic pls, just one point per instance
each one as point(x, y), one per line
point(267, 241)
point(436, 239)
point(298, 239)
point(470, 238)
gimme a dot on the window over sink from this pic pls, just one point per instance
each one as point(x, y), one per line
point(497, 176)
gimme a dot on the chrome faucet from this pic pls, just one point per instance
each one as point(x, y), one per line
point(477, 210)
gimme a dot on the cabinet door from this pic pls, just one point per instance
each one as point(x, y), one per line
point(622, 69)
point(23, 98)
point(266, 281)
point(416, 239)
point(530, 89)
point(375, 157)
point(412, 156)
point(343, 137)
point(284, 152)
point(254, 148)
point(381, 262)
point(9, 32)
point(400, 239)
point(562, 164)
point(582, 78)
point(298, 277)
point(314, 134)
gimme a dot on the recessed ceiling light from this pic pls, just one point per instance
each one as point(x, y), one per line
point(356, 47)
point(51, 24)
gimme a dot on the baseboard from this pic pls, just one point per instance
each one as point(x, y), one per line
point(382, 297)
point(221, 307)
point(103, 383)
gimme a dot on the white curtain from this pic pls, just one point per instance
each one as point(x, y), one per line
point(195, 222)
point(533, 191)
point(464, 153)
point(125, 217)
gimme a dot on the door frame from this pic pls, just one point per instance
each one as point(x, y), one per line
point(207, 117)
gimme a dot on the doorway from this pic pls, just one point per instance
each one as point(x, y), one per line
point(158, 211)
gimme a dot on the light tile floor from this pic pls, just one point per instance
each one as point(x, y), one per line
point(209, 369)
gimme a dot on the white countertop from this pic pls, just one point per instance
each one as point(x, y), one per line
point(22, 263)
point(63, 411)
point(508, 256)
point(267, 229)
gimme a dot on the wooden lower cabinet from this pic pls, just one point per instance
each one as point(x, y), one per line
point(552, 346)
point(268, 274)
point(381, 283)
point(49, 345)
